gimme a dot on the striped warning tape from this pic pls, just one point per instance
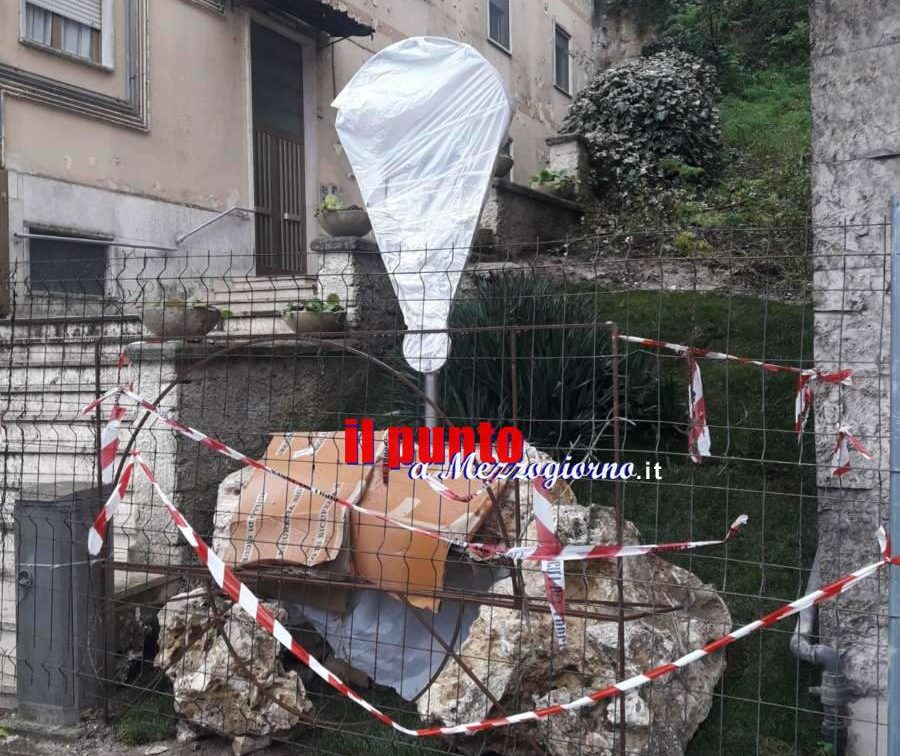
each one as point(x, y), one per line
point(250, 603)
point(698, 437)
point(840, 458)
point(698, 434)
point(109, 443)
point(807, 381)
point(577, 552)
point(482, 550)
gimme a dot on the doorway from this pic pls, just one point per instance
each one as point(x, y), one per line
point(279, 172)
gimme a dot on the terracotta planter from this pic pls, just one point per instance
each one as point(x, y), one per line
point(185, 322)
point(302, 321)
point(503, 166)
point(349, 222)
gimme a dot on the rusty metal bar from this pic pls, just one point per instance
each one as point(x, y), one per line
point(620, 531)
point(472, 597)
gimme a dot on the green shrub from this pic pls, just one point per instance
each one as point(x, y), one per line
point(688, 243)
point(641, 112)
point(563, 375)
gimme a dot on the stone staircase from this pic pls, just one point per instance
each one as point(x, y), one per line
point(56, 353)
point(256, 302)
point(52, 353)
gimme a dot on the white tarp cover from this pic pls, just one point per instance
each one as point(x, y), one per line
point(379, 636)
point(422, 123)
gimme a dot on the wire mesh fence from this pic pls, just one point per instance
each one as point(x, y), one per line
point(595, 349)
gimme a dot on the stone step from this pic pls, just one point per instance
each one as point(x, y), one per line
point(255, 326)
point(49, 465)
point(39, 376)
point(79, 431)
point(52, 403)
point(68, 330)
point(263, 284)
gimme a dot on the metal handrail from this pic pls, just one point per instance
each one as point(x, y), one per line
point(180, 239)
point(95, 241)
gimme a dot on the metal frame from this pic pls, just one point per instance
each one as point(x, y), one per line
point(894, 599)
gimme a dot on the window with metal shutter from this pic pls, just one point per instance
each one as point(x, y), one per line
point(87, 12)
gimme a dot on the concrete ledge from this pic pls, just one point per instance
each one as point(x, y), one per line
point(54, 732)
point(325, 244)
point(526, 191)
point(565, 139)
point(515, 217)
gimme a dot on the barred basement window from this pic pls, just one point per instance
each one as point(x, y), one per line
point(67, 266)
point(69, 26)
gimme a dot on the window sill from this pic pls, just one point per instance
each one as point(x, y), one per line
point(495, 43)
point(562, 91)
point(65, 55)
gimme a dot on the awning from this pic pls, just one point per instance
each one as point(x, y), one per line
point(330, 16)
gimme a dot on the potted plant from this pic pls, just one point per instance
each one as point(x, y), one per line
point(338, 220)
point(179, 317)
point(559, 183)
point(316, 315)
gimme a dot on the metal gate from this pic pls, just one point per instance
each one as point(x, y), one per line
point(278, 177)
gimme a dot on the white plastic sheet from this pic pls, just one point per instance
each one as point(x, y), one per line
point(422, 123)
point(379, 636)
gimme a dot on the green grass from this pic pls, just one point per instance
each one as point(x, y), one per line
point(770, 116)
point(751, 416)
point(766, 128)
point(150, 719)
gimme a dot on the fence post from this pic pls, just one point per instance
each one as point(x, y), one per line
point(894, 605)
point(431, 391)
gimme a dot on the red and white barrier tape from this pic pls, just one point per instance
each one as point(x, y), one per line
point(248, 601)
point(109, 443)
point(708, 354)
point(439, 487)
point(482, 550)
point(97, 533)
point(807, 379)
point(840, 458)
point(806, 385)
point(554, 569)
point(578, 552)
point(698, 433)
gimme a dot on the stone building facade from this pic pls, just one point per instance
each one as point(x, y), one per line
point(856, 169)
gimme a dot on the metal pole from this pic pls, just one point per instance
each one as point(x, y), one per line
point(431, 391)
point(894, 603)
point(620, 530)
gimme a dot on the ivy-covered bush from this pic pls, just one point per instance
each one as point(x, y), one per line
point(645, 116)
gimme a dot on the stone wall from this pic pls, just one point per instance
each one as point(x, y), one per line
point(856, 167)
point(617, 35)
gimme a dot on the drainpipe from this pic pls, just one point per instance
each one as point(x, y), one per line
point(833, 691)
point(2, 130)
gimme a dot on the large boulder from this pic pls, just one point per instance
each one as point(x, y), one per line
point(515, 656)
point(213, 690)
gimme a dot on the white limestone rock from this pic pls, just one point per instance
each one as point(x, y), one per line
point(515, 656)
point(213, 691)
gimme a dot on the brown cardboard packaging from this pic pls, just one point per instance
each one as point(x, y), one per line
point(289, 528)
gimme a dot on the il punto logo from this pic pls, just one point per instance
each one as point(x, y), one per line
point(433, 446)
point(478, 452)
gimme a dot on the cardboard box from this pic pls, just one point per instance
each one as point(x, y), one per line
point(295, 531)
point(399, 560)
point(292, 529)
